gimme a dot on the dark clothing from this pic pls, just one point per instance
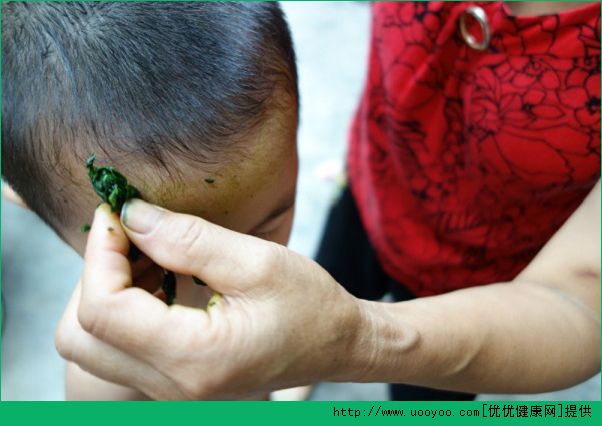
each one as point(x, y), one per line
point(346, 253)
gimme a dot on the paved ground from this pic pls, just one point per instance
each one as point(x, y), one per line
point(39, 271)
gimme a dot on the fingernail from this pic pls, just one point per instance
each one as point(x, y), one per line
point(139, 216)
point(102, 215)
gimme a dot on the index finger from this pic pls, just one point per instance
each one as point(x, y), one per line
point(106, 256)
point(110, 308)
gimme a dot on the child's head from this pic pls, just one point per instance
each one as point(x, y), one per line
point(195, 103)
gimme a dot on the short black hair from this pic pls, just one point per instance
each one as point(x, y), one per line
point(157, 80)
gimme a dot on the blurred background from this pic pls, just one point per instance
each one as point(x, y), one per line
point(39, 271)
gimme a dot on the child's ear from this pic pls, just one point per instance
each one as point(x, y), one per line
point(12, 196)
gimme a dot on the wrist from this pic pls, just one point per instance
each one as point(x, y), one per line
point(377, 348)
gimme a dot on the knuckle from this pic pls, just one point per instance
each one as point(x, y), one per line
point(194, 349)
point(267, 258)
point(189, 239)
point(206, 388)
point(197, 390)
point(63, 341)
point(88, 318)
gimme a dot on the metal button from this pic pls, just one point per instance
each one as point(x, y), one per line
point(479, 15)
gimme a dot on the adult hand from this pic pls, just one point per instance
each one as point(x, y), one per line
point(282, 321)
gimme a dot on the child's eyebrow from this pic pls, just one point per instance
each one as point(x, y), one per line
point(283, 207)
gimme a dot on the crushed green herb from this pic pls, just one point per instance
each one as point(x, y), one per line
point(113, 188)
point(213, 300)
point(110, 185)
point(209, 180)
point(85, 228)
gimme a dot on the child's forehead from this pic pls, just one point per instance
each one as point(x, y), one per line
point(262, 171)
point(212, 192)
point(238, 195)
point(224, 190)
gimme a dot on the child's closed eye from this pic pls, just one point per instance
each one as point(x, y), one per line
point(266, 235)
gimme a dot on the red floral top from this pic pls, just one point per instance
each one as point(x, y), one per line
point(463, 162)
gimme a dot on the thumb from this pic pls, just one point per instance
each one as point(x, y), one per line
point(227, 261)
